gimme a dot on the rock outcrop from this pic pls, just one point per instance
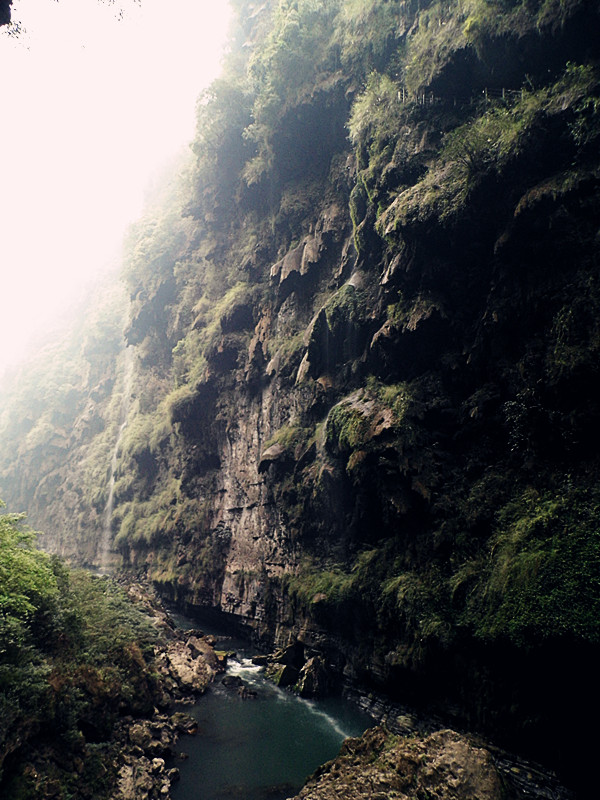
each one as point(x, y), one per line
point(443, 765)
point(144, 746)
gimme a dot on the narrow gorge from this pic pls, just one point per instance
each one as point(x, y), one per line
point(353, 407)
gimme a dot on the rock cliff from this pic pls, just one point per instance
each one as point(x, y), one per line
point(365, 334)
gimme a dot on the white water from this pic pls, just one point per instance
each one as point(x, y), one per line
point(244, 668)
point(254, 676)
point(327, 718)
point(254, 749)
point(106, 538)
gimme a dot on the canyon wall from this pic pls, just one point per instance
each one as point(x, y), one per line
point(364, 326)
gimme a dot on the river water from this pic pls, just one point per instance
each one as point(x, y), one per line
point(262, 748)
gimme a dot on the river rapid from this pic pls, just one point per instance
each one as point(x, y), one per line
point(262, 747)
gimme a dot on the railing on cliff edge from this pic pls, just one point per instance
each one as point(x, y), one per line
point(429, 98)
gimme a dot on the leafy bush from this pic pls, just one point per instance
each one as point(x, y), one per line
point(286, 65)
point(75, 653)
point(376, 113)
point(367, 32)
point(28, 586)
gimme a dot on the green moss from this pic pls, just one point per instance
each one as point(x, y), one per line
point(409, 606)
point(490, 143)
point(439, 32)
point(191, 353)
point(541, 578)
point(417, 603)
point(346, 429)
point(311, 586)
point(381, 416)
point(358, 210)
point(376, 113)
point(151, 522)
point(343, 308)
point(289, 437)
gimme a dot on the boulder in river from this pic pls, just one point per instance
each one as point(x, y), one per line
point(232, 681)
point(246, 693)
point(282, 674)
point(313, 680)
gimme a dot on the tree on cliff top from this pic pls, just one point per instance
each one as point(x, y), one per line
point(5, 11)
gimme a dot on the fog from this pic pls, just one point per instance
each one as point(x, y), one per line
point(95, 97)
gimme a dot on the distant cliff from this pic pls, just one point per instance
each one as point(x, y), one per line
point(365, 332)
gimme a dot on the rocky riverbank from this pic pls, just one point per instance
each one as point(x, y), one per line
point(521, 779)
point(93, 714)
point(186, 664)
point(380, 766)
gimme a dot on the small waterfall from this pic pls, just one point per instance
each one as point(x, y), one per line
point(106, 538)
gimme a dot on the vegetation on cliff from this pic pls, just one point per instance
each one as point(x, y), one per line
point(364, 328)
point(59, 418)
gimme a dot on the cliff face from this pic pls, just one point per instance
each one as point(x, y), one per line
point(365, 331)
point(59, 419)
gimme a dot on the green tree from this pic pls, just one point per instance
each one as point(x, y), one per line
point(28, 586)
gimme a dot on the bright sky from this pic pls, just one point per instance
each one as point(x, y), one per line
point(91, 107)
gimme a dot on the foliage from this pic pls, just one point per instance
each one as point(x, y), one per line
point(74, 654)
point(489, 140)
point(539, 578)
point(376, 112)
point(150, 522)
point(309, 585)
point(438, 33)
point(488, 145)
point(380, 417)
point(287, 64)
point(442, 30)
point(151, 246)
point(289, 437)
point(406, 604)
point(367, 32)
point(190, 353)
point(573, 338)
point(223, 114)
point(584, 80)
point(28, 586)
